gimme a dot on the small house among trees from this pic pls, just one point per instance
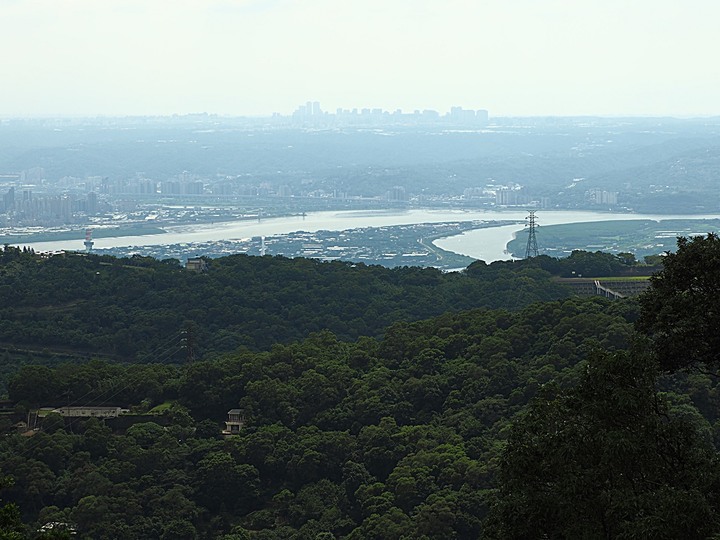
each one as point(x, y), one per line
point(196, 264)
point(234, 423)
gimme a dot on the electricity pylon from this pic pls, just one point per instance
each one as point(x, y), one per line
point(532, 248)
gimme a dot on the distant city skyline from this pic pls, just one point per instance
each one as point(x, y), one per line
point(312, 110)
point(257, 57)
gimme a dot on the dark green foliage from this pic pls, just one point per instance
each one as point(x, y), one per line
point(137, 307)
point(11, 527)
point(91, 383)
point(423, 433)
point(607, 459)
point(591, 264)
point(681, 310)
point(392, 438)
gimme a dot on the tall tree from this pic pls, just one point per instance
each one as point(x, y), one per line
point(681, 309)
point(607, 459)
point(11, 528)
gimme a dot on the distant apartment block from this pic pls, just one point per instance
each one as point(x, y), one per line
point(177, 187)
point(511, 197)
point(474, 193)
point(601, 197)
point(284, 191)
point(397, 194)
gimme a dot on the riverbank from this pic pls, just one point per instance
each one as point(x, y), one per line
point(79, 234)
point(639, 237)
point(488, 244)
point(401, 245)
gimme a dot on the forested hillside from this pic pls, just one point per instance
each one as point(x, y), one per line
point(347, 438)
point(136, 308)
point(540, 421)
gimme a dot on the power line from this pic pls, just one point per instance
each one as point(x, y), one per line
point(105, 396)
point(188, 344)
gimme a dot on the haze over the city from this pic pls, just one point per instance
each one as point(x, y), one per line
point(256, 57)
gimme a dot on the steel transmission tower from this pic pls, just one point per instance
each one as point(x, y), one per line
point(188, 343)
point(532, 249)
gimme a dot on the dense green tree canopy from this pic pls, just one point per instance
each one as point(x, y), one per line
point(146, 310)
point(607, 459)
point(400, 434)
point(681, 310)
point(524, 417)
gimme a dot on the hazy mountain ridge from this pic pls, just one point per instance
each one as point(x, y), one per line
point(528, 155)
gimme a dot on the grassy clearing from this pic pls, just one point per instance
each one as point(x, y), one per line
point(160, 409)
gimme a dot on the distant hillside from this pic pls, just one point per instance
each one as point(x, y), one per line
point(149, 310)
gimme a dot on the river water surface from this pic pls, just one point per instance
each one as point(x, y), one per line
point(487, 244)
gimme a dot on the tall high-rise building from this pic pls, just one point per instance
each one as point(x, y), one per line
point(193, 188)
point(599, 196)
point(9, 200)
point(511, 197)
point(396, 194)
point(91, 203)
point(147, 187)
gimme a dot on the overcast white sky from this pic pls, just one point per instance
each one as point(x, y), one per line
point(512, 57)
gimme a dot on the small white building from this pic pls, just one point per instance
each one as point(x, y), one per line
point(234, 423)
point(196, 264)
point(89, 412)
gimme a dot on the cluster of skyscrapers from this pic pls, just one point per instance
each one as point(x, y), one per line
point(25, 208)
point(312, 114)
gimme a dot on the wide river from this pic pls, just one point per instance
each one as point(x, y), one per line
point(487, 244)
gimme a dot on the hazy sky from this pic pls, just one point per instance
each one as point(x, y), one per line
point(512, 57)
